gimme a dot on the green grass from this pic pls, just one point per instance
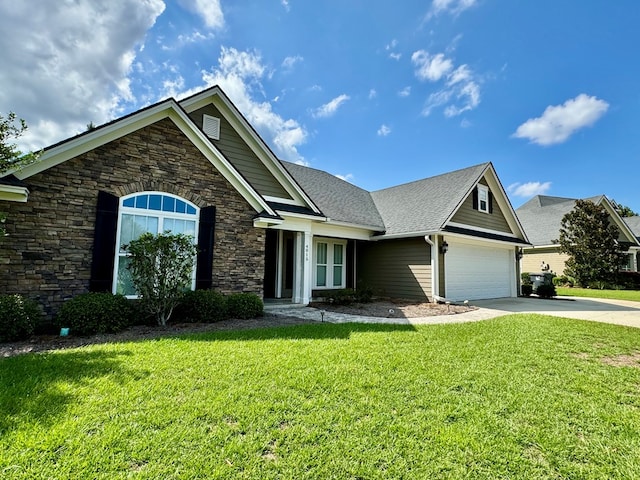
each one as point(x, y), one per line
point(522, 396)
point(633, 295)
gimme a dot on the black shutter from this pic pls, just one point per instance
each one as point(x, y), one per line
point(104, 243)
point(204, 265)
point(475, 198)
point(490, 195)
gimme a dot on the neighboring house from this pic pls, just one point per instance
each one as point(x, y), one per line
point(541, 218)
point(274, 228)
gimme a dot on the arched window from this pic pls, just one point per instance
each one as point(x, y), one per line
point(152, 212)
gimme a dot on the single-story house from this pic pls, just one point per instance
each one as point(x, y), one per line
point(262, 225)
point(541, 218)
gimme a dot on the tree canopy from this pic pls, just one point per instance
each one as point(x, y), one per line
point(623, 210)
point(10, 129)
point(591, 241)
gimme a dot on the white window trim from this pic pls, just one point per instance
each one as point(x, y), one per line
point(329, 277)
point(483, 189)
point(161, 217)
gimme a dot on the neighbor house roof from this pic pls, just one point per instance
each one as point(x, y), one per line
point(338, 200)
point(634, 225)
point(542, 216)
point(425, 205)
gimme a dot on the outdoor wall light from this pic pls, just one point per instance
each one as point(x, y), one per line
point(444, 248)
point(519, 254)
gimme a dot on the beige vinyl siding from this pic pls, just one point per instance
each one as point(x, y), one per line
point(533, 258)
point(396, 268)
point(241, 156)
point(467, 215)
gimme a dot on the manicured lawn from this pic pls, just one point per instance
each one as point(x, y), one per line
point(633, 295)
point(522, 396)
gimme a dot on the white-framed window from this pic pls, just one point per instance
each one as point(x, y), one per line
point(151, 212)
point(628, 265)
point(329, 263)
point(483, 198)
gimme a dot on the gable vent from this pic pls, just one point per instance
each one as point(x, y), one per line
point(211, 126)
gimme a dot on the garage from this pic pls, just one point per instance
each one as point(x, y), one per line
point(476, 271)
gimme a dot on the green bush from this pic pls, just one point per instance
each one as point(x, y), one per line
point(202, 306)
point(18, 317)
point(527, 289)
point(563, 281)
point(92, 313)
point(525, 278)
point(546, 291)
point(244, 305)
point(364, 294)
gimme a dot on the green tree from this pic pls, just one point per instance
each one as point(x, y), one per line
point(591, 241)
point(623, 210)
point(161, 267)
point(10, 156)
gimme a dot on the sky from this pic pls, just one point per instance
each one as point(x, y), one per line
point(377, 93)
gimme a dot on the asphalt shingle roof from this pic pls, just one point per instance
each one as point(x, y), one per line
point(541, 217)
point(634, 225)
point(425, 205)
point(337, 199)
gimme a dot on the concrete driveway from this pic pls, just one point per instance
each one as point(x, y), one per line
point(620, 312)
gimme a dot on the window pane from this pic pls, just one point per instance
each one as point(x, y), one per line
point(126, 230)
point(337, 276)
point(337, 254)
point(168, 204)
point(191, 210)
point(321, 276)
point(181, 207)
point(190, 228)
point(142, 201)
point(155, 202)
point(129, 202)
point(168, 225)
point(321, 257)
point(124, 284)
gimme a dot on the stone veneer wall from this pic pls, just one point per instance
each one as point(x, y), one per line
point(47, 255)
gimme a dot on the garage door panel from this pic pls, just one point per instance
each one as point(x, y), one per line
point(474, 272)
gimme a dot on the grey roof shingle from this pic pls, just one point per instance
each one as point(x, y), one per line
point(425, 205)
point(541, 217)
point(337, 199)
point(634, 225)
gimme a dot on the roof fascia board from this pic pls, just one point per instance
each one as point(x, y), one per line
point(622, 225)
point(251, 138)
point(502, 200)
point(12, 193)
point(168, 109)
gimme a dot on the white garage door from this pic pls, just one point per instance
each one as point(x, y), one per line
point(474, 272)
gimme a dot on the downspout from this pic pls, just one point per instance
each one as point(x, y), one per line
point(435, 290)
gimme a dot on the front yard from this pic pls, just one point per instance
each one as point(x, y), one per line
point(632, 295)
point(522, 396)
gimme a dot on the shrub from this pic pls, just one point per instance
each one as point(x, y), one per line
point(244, 305)
point(94, 312)
point(525, 278)
point(202, 306)
point(527, 289)
point(161, 266)
point(563, 281)
point(344, 296)
point(364, 294)
point(546, 291)
point(18, 317)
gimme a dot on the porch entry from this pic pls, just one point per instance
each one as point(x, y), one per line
point(280, 247)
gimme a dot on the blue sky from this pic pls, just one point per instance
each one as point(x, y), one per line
point(378, 93)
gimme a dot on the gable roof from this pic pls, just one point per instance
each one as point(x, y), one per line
point(339, 200)
point(634, 224)
point(541, 217)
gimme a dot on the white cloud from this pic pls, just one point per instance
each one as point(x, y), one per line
point(285, 4)
point(347, 178)
point(431, 67)
point(390, 47)
point(65, 65)
point(209, 10)
point(459, 83)
point(405, 92)
point(528, 189)
point(559, 122)
point(329, 109)
point(289, 62)
point(239, 74)
point(372, 93)
point(454, 7)
point(383, 131)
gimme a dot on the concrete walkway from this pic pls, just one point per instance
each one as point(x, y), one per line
point(619, 312)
